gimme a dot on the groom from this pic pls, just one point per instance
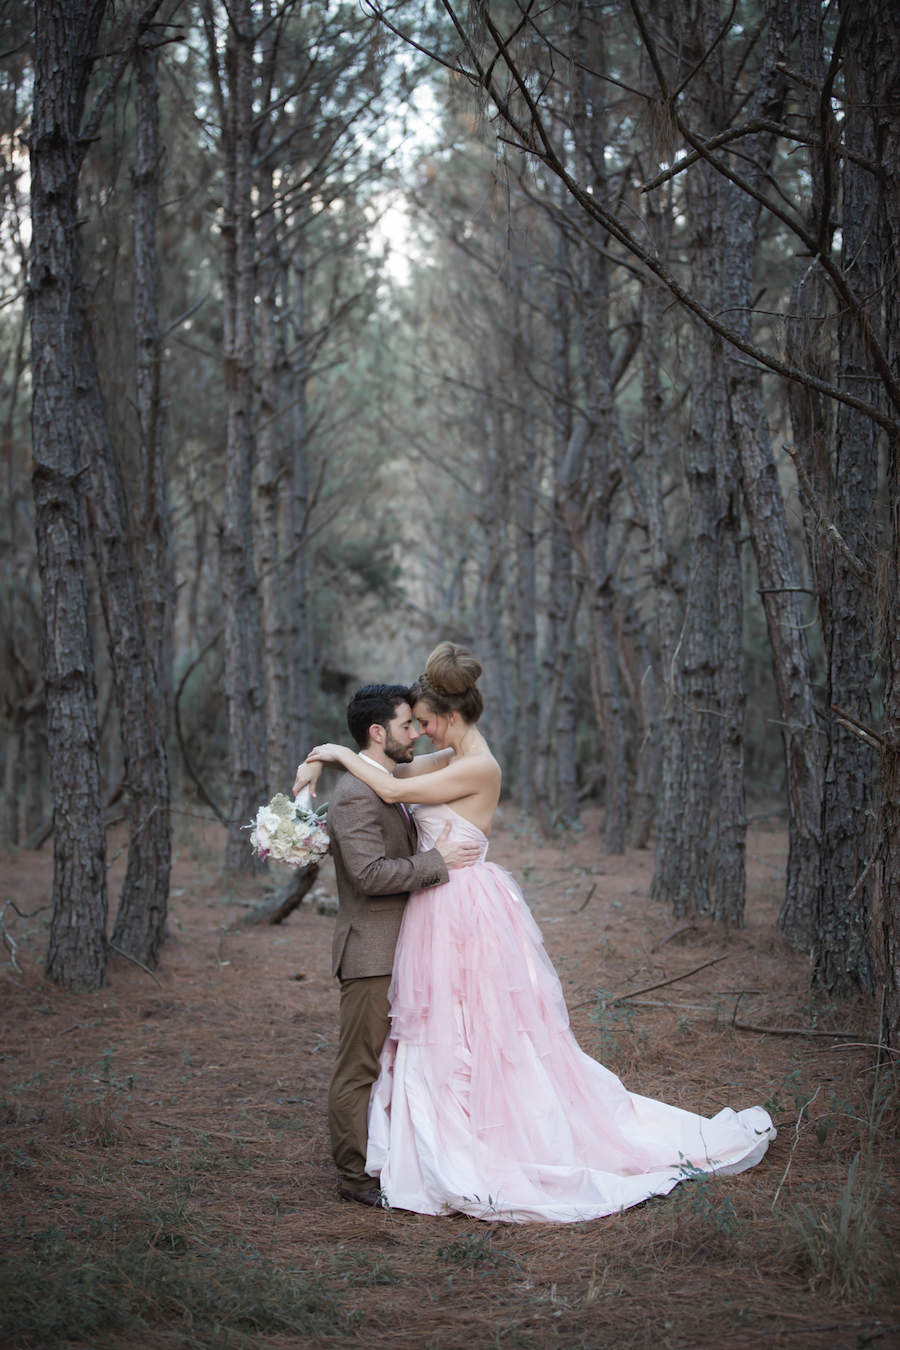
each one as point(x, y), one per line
point(373, 845)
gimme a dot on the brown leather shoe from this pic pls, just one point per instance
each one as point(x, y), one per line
point(370, 1196)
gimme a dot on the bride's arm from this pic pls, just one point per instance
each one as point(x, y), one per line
point(437, 759)
point(461, 778)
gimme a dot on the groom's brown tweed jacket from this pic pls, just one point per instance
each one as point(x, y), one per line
point(373, 845)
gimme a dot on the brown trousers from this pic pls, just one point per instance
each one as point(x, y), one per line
point(364, 1025)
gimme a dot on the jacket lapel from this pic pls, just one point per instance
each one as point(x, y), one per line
point(409, 825)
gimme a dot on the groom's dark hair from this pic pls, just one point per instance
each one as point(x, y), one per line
point(373, 703)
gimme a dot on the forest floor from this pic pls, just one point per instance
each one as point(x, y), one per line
point(165, 1178)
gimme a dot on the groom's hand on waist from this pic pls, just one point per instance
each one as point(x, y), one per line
point(456, 852)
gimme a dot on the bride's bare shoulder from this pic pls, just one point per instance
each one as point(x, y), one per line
point(487, 763)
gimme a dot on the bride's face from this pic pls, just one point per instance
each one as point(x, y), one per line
point(433, 724)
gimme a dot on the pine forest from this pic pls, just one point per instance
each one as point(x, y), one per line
point(570, 333)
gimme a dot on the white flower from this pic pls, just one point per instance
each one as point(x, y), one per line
point(289, 832)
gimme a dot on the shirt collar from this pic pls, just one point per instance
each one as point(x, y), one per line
point(370, 760)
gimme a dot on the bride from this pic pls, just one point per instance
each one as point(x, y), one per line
point(485, 1104)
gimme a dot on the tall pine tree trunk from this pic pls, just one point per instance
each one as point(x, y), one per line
point(525, 489)
point(244, 679)
point(645, 701)
point(300, 663)
point(271, 481)
point(873, 35)
point(695, 675)
point(842, 950)
point(154, 510)
point(557, 787)
point(729, 876)
point(141, 919)
point(590, 137)
point(138, 604)
point(65, 44)
point(492, 513)
point(708, 875)
point(667, 604)
point(811, 420)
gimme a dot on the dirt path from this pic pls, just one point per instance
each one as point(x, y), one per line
point(166, 1180)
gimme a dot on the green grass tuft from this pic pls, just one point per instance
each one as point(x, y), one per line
point(59, 1289)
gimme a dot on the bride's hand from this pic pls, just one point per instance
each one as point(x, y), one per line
point(308, 775)
point(329, 754)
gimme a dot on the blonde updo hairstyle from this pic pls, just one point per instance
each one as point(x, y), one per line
point(450, 682)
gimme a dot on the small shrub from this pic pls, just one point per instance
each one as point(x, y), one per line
point(707, 1223)
point(838, 1244)
point(475, 1251)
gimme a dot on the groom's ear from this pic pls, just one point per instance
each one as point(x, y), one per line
point(376, 734)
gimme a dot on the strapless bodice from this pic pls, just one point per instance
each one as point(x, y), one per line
point(432, 820)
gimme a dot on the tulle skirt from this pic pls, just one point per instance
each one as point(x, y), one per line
point(485, 1103)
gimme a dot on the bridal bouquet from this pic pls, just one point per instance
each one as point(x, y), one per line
point(289, 832)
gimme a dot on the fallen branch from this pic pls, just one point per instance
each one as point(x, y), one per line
point(676, 932)
point(147, 971)
point(645, 989)
point(668, 1003)
point(288, 899)
point(867, 1045)
point(202, 1129)
point(586, 900)
point(8, 937)
point(660, 984)
point(794, 1031)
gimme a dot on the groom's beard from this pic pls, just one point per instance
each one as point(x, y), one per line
point(400, 754)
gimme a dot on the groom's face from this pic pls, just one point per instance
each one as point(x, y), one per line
point(401, 734)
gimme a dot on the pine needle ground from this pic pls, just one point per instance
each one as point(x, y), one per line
point(165, 1179)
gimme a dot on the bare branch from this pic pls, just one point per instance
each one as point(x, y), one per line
point(535, 140)
point(827, 527)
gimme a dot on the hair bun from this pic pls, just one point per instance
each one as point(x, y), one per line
point(451, 670)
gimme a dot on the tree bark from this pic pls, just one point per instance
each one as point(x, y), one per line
point(300, 657)
point(65, 47)
point(729, 877)
point(745, 461)
point(492, 514)
point(811, 423)
point(645, 702)
point(557, 786)
point(707, 874)
point(137, 601)
point(244, 680)
point(873, 34)
point(141, 919)
point(271, 479)
point(153, 512)
point(525, 489)
point(600, 482)
point(696, 683)
point(667, 604)
point(842, 947)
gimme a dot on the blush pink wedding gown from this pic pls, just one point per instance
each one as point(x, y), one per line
point(485, 1104)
